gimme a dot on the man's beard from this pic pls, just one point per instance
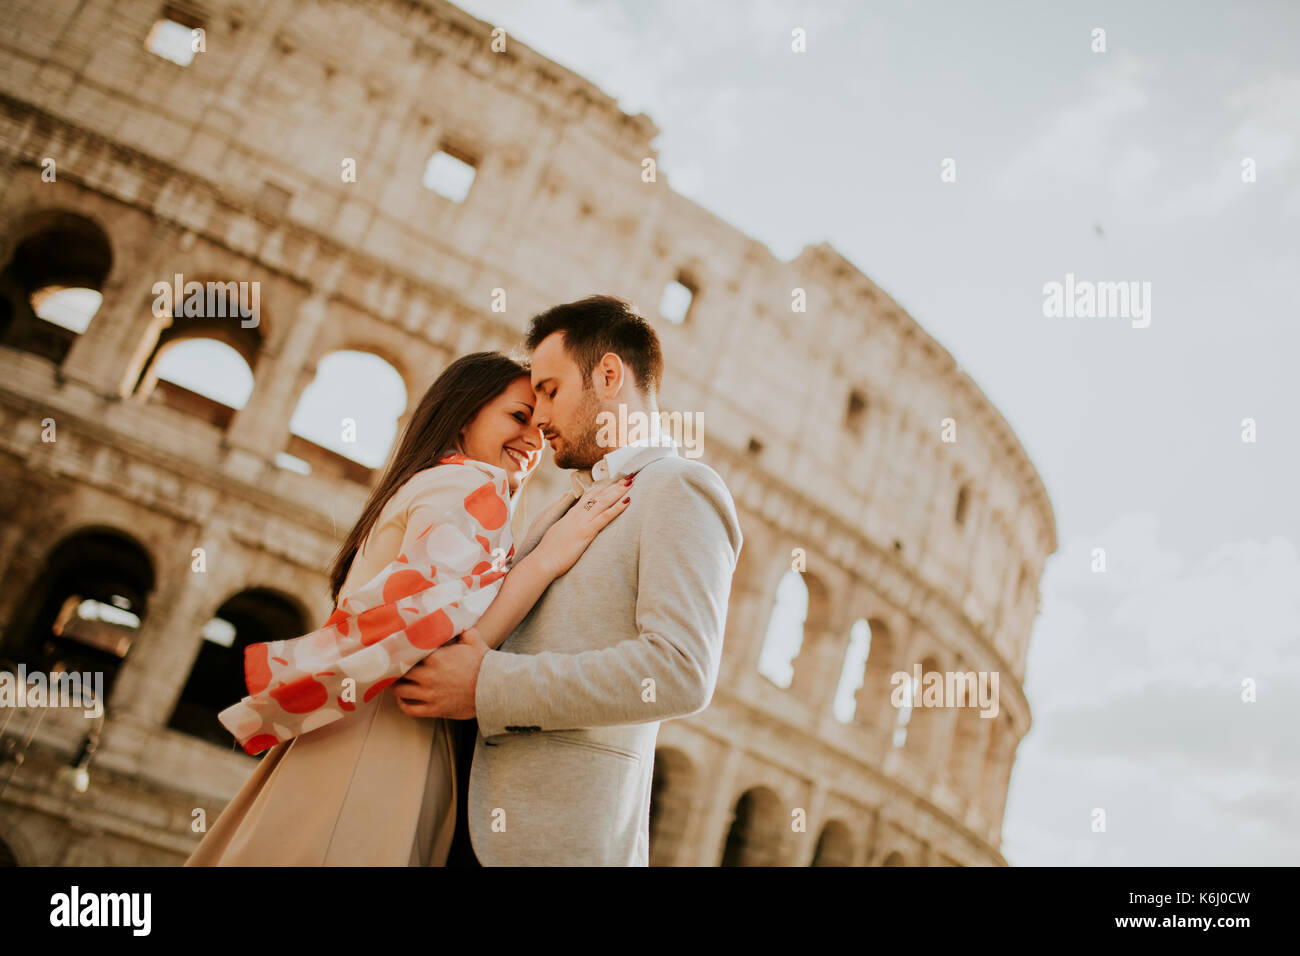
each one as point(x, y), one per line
point(583, 451)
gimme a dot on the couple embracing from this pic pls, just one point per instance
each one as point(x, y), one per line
point(473, 702)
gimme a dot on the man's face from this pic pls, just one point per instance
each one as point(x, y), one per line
point(567, 405)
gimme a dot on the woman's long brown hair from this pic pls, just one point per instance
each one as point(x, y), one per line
point(451, 402)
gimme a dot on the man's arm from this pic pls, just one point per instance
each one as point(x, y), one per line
point(688, 551)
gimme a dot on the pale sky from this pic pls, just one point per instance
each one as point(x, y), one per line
point(1124, 165)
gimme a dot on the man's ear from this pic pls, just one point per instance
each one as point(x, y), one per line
point(611, 372)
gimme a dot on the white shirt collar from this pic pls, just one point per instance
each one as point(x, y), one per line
point(621, 462)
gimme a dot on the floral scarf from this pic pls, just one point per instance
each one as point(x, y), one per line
point(416, 604)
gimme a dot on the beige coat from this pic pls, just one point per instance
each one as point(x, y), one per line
point(377, 788)
point(569, 707)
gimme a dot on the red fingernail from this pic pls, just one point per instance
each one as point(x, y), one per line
point(626, 500)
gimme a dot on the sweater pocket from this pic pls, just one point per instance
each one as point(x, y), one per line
point(572, 740)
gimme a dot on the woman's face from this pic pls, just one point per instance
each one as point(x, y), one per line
point(502, 433)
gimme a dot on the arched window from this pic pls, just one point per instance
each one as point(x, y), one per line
point(676, 299)
point(204, 361)
point(853, 673)
point(910, 692)
point(872, 696)
point(201, 376)
point(347, 418)
point(51, 288)
point(217, 679)
point(785, 630)
point(834, 846)
point(963, 500)
point(86, 608)
point(757, 828)
point(796, 645)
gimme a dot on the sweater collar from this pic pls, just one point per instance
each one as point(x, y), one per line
point(621, 462)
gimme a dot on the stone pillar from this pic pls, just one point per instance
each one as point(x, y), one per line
point(159, 663)
point(743, 644)
point(1000, 780)
point(869, 849)
point(712, 832)
point(817, 672)
point(107, 356)
point(260, 428)
point(802, 847)
point(881, 720)
point(939, 755)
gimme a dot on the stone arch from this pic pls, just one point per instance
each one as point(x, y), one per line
point(87, 604)
point(834, 845)
point(315, 426)
point(390, 352)
point(756, 834)
point(216, 680)
point(797, 646)
point(812, 679)
point(785, 627)
point(16, 849)
point(54, 249)
point(852, 670)
point(672, 790)
point(894, 859)
point(202, 388)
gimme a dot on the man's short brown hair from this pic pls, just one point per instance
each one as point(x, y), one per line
point(599, 324)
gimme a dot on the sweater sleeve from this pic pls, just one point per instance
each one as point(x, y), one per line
point(670, 667)
point(440, 583)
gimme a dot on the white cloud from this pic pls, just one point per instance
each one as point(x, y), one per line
point(1135, 682)
point(1092, 142)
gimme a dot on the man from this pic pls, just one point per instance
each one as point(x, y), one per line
point(568, 708)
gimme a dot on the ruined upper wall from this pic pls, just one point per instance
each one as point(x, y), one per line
point(285, 93)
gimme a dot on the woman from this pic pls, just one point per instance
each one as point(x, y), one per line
point(350, 780)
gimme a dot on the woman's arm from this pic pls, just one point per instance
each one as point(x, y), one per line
point(558, 551)
point(520, 589)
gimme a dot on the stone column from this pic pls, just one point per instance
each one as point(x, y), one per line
point(159, 663)
point(712, 832)
point(817, 672)
point(108, 356)
point(260, 428)
point(802, 847)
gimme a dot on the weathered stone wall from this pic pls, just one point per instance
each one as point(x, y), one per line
point(230, 168)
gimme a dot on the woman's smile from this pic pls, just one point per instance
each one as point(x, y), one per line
point(520, 458)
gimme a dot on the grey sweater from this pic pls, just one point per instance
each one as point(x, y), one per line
point(569, 706)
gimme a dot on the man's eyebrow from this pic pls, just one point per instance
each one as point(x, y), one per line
point(539, 385)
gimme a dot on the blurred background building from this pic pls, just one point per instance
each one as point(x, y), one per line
point(173, 487)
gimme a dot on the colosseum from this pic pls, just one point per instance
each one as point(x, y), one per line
point(401, 182)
